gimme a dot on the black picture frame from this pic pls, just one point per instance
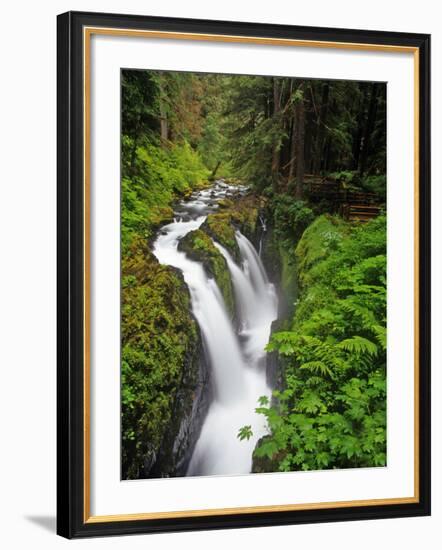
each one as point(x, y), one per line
point(71, 520)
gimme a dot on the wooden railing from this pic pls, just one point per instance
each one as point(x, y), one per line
point(351, 205)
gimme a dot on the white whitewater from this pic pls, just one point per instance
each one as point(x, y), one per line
point(208, 307)
point(255, 297)
point(236, 360)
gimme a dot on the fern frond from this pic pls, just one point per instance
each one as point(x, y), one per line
point(359, 346)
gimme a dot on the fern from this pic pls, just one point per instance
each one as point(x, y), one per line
point(359, 346)
point(317, 367)
point(332, 410)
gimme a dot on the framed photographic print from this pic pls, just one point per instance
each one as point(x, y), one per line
point(243, 274)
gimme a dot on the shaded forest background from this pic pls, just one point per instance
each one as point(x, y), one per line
point(282, 137)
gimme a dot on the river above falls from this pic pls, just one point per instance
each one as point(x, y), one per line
point(235, 352)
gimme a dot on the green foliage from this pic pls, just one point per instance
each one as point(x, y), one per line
point(319, 239)
point(290, 217)
point(159, 336)
point(177, 130)
point(241, 214)
point(331, 411)
point(218, 226)
point(213, 145)
point(157, 176)
point(252, 131)
point(376, 184)
point(159, 347)
point(346, 177)
point(245, 433)
point(352, 180)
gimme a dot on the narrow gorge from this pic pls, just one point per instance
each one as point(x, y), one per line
point(234, 337)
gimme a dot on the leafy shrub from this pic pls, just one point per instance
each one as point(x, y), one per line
point(331, 411)
point(149, 186)
point(375, 184)
point(290, 217)
point(346, 177)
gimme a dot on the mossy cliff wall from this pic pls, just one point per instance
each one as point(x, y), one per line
point(163, 372)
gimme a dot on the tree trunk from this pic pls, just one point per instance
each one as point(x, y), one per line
point(291, 175)
point(276, 153)
point(319, 149)
point(368, 129)
point(133, 153)
point(215, 170)
point(299, 147)
point(360, 132)
point(164, 126)
point(308, 141)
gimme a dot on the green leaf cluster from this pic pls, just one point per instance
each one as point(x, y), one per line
point(331, 412)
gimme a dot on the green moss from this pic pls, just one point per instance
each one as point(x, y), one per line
point(289, 282)
point(242, 214)
point(199, 246)
point(220, 228)
point(245, 215)
point(225, 203)
point(154, 180)
point(318, 240)
point(160, 340)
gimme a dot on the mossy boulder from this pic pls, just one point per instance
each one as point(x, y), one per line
point(245, 215)
point(219, 227)
point(199, 247)
point(161, 215)
point(161, 362)
point(225, 203)
point(319, 239)
point(242, 214)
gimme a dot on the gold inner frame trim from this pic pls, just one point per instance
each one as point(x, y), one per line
point(87, 33)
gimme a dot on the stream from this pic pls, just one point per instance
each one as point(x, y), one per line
point(235, 351)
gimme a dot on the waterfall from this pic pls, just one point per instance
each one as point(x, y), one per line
point(236, 360)
point(255, 297)
point(209, 309)
point(253, 263)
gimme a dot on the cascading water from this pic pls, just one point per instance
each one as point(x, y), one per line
point(236, 360)
point(208, 307)
point(263, 231)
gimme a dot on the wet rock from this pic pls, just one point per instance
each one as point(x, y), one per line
point(264, 464)
point(189, 410)
point(199, 247)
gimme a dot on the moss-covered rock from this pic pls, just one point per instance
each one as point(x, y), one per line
point(219, 227)
point(225, 203)
point(242, 214)
point(161, 362)
point(318, 240)
point(199, 247)
point(245, 215)
point(161, 215)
